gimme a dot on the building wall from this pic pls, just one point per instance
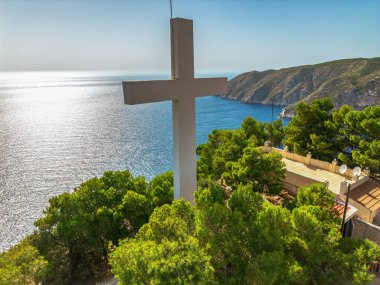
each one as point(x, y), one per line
point(363, 229)
point(363, 212)
point(308, 160)
point(293, 181)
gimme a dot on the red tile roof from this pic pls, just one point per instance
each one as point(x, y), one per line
point(340, 208)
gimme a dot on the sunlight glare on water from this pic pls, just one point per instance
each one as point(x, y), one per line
point(59, 130)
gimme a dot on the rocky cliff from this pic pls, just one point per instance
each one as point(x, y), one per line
point(355, 82)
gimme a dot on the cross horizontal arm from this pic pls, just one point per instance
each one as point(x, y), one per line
point(209, 86)
point(139, 92)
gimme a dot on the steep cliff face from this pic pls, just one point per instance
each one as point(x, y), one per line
point(355, 82)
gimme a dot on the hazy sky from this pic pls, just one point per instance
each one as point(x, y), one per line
point(229, 35)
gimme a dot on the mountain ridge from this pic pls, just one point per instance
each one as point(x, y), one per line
point(355, 82)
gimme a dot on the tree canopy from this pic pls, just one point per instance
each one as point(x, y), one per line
point(22, 264)
point(264, 171)
point(360, 135)
point(235, 156)
point(132, 228)
point(231, 236)
point(352, 136)
point(164, 251)
point(239, 238)
point(76, 230)
point(312, 130)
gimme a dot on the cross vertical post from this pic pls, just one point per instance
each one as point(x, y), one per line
point(182, 48)
point(185, 168)
point(181, 90)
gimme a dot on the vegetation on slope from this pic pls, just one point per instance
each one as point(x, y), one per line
point(122, 224)
point(242, 239)
point(77, 228)
point(355, 82)
point(22, 264)
point(351, 136)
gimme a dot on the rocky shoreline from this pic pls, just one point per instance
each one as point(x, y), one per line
point(355, 82)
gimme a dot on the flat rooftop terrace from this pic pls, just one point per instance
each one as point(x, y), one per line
point(305, 170)
point(317, 174)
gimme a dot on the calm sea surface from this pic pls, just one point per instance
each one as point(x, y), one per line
point(58, 130)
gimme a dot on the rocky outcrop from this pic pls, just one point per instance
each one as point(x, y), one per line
point(355, 82)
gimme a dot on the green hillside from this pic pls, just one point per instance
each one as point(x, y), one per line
point(355, 82)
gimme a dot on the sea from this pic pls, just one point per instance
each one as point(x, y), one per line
point(59, 129)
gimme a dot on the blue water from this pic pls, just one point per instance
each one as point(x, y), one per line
point(58, 131)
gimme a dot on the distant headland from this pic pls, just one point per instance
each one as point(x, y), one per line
point(355, 82)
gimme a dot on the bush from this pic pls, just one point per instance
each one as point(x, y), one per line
point(164, 251)
point(22, 264)
point(76, 230)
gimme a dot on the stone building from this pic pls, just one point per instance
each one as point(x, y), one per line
point(364, 199)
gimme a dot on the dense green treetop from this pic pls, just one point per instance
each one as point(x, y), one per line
point(276, 245)
point(350, 135)
point(22, 264)
point(232, 235)
point(264, 171)
point(239, 238)
point(222, 146)
point(76, 230)
point(312, 130)
point(360, 133)
point(161, 189)
point(274, 132)
point(164, 251)
point(235, 156)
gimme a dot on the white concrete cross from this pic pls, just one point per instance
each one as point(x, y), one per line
point(181, 90)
